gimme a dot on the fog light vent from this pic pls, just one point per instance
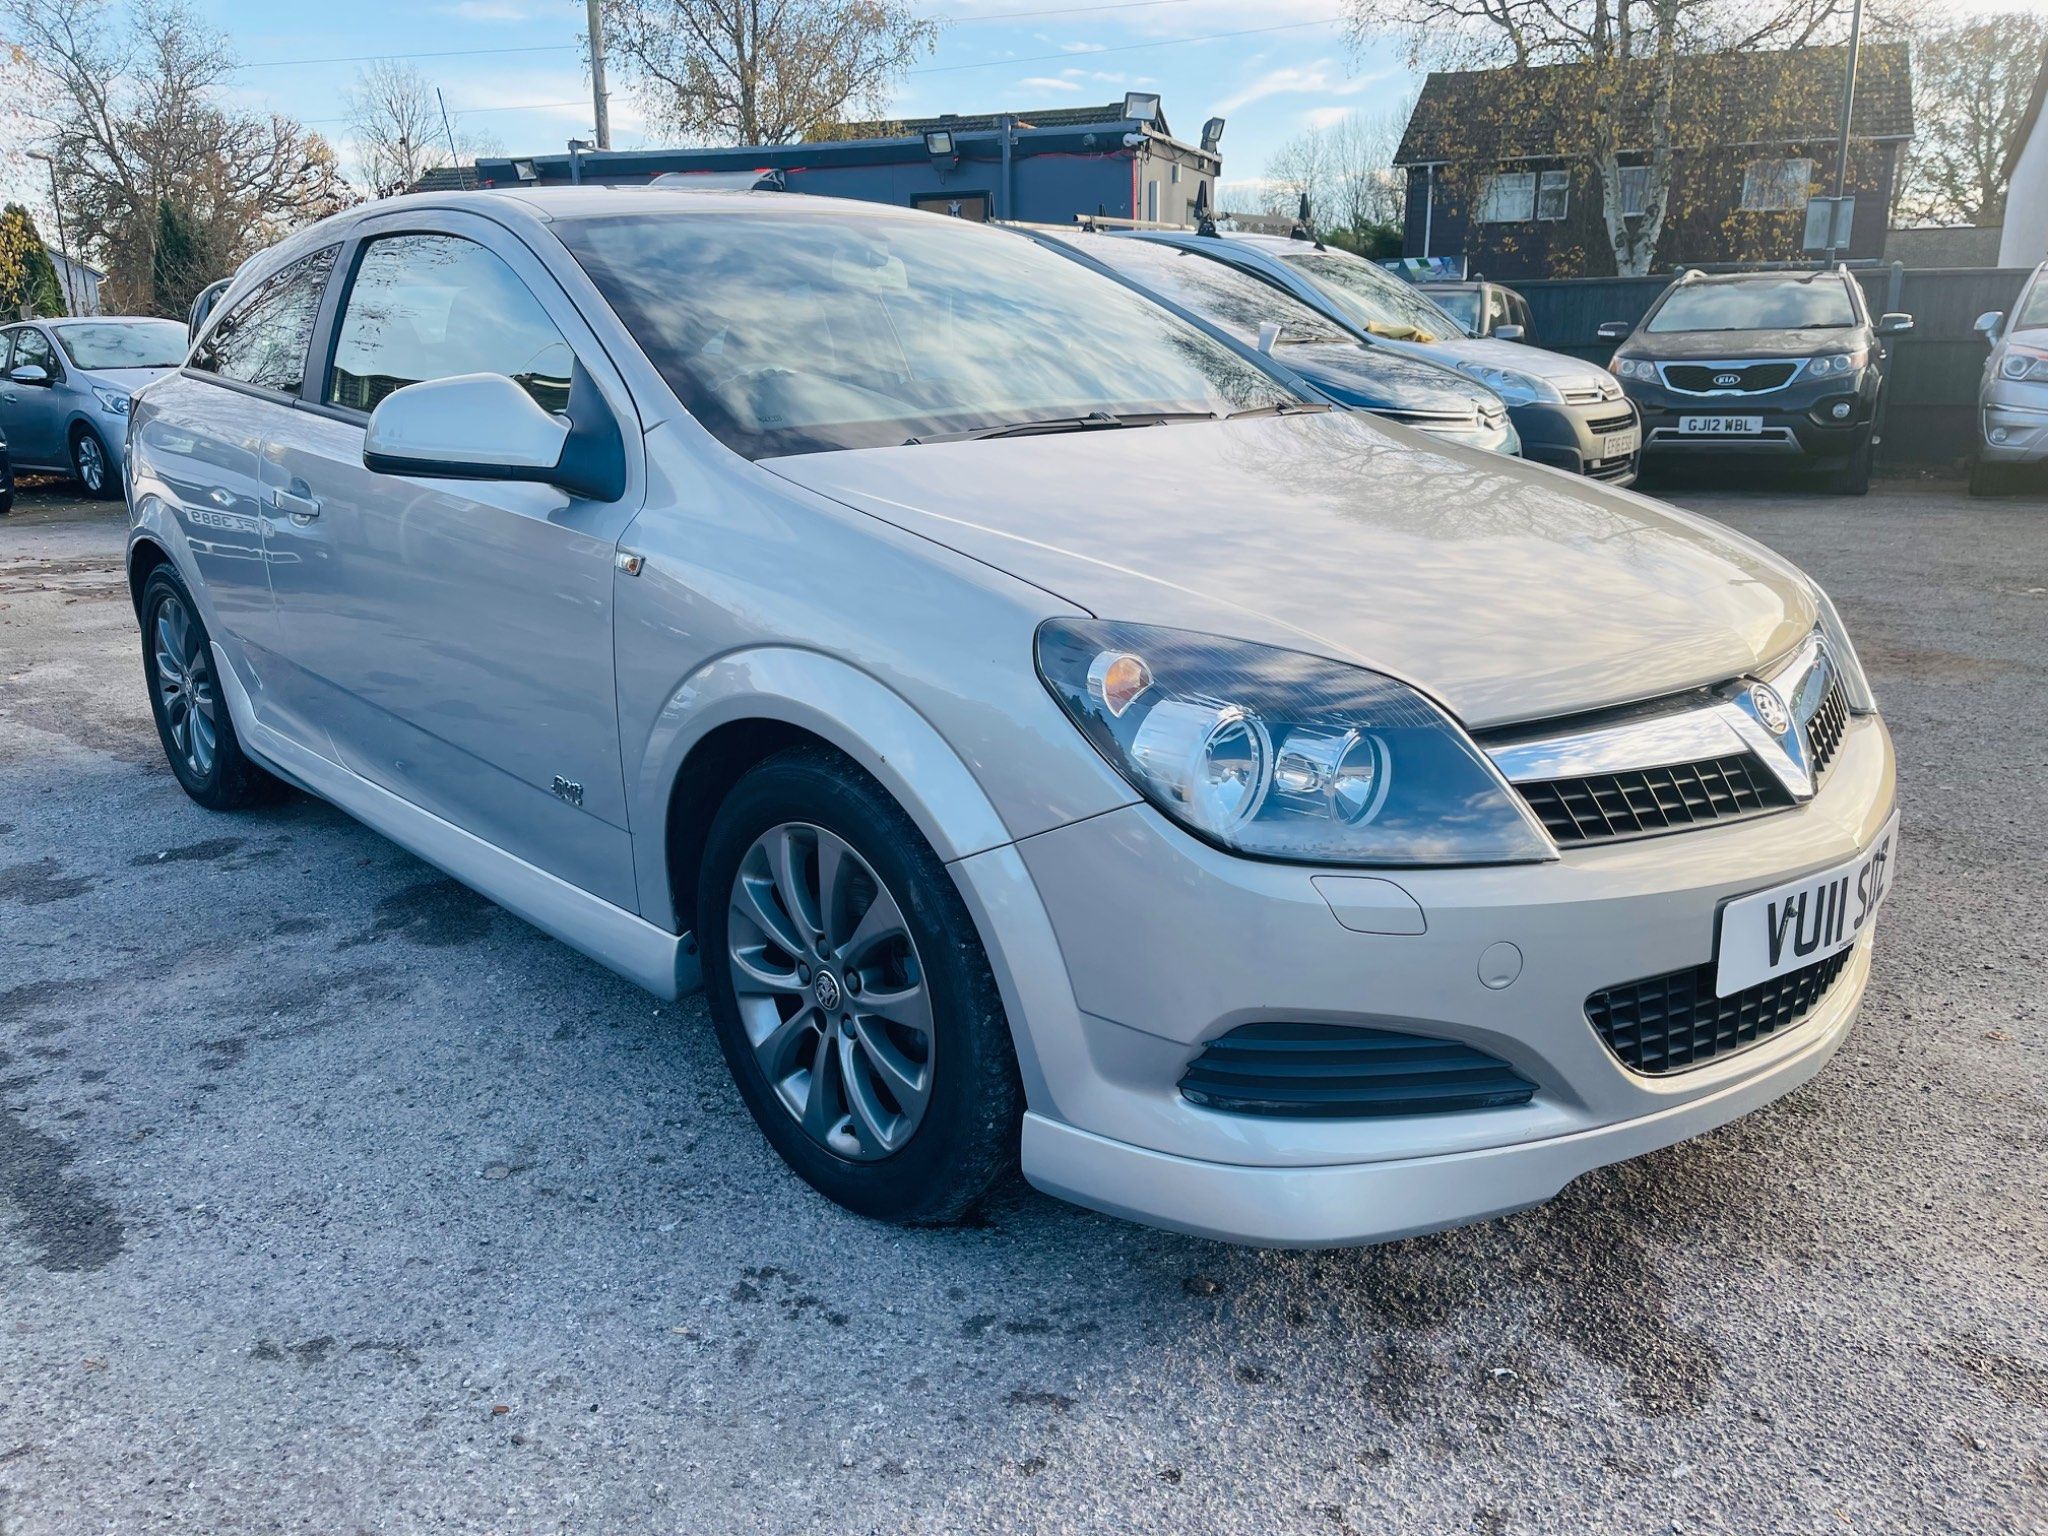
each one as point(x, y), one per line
point(1331, 1071)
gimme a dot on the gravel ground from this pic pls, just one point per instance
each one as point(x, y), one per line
point(334, 1199)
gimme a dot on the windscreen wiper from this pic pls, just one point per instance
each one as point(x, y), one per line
point(1281, 408)
point(1094, 421)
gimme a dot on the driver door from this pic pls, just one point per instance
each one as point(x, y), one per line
point(35, 413)
point(455, 636)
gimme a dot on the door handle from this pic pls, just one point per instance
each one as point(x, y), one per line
point(303, 509)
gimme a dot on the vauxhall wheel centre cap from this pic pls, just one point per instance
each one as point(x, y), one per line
point(826, 989)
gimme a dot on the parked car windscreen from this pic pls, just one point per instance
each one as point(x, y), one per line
point(131, 344)
point(1234, 300)
point(2034, 310)
point(1462, 305)
point(1817, 303)
point(796, 332)
point(1374, 299)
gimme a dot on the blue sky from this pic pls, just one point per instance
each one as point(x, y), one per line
point(1290, 64)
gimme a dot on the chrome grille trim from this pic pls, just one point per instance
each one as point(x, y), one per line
point(1731, 365)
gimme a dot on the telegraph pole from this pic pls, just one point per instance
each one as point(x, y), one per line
point(64, 277)
point(1842, 145)
point(599, 96)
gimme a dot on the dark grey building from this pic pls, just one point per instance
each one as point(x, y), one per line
point(1119, 160)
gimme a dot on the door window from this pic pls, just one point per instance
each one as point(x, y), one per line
point(433, 306)
point(31, 346)
point(263, 339)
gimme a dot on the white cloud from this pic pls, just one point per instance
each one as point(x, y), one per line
point(1321, 78)
point(1048, 83)
point(1081, 47)
point(1326, 117)
point(491, 10)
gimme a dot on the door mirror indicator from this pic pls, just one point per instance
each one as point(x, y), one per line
point(30, 373)
point(484, 426)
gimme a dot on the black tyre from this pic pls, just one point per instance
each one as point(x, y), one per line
point(852, 999)
point(184, 694)
point(6, 489)
point(1853, 478)
point(91, 464)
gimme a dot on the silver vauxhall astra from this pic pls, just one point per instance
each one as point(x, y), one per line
point(1046, 735)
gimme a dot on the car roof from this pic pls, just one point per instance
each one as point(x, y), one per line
point(1757, 277)
point(592, 200)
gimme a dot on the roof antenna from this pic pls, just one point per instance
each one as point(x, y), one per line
point(1303, 229)
point(1205, 221)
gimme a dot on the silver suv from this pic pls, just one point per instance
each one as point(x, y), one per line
point(2012, 399)
point(1045, 734)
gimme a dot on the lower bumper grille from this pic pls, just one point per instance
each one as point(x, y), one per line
point(1331, 1071)
point(1642, 800)
point(1670, 1023)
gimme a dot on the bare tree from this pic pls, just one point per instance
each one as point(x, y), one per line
point(395, 120)
point(762, 71)
point(1618, 90)
point(1971, 87)
point(128, 114)
point(1346, 171)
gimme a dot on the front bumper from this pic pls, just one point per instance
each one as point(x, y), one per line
point(1574, 437)
point(2012, 425)
point(1124, 946)
point(1796, 421)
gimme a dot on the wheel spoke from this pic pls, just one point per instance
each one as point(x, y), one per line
point(754, 900)
point(882, 921)
point(835, 862)
point(780, 1051)
point(754, 977)
point(786, 861)
point(873, 1126)
point(909, 1083)
point(822, 1110)
point(909, 1006)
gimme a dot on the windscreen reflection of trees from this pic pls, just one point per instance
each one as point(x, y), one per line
point(792, 333)
point(125, 346)
point(263, 339)
point(1375, 298)
point(434, 306)
point(1821, 304)
point(1234, 300)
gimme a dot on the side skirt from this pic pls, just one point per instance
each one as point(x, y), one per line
point(664, 963)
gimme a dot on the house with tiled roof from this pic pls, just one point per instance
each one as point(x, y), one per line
point(1502, 165)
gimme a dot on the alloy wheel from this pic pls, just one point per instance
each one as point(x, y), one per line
point(92, 463)
point(831, 991)
point(184, 686)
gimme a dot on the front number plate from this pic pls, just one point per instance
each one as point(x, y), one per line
point(1804, 922)
point(1619, 445)
point(1721, 426)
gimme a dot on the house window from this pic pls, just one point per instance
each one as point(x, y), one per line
point(1152, 202)
point(1774, 186)
point(1508, 198)
point(1553, 194)
point(1174, 174)
point(1635, 190)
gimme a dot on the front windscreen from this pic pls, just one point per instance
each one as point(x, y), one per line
point(2034, 312)
point(1817, 303)
point(130, 344)
point(1374, 298)
point(801, 330)
point(1224, 296)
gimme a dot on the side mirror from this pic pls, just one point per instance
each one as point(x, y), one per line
point(483, 426)
point(1988, 323)
point(1269, 336)
point(1614, 330)
point(30, 373)
point(1507, 333)
point(1894, 324)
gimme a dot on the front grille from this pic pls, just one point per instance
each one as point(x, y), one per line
point(1824, 730)
point(1613, 469)
point(1599, 807)
point(1608, 424)
point(1747, 378)
point(1672, 1023)
point(1332, 1071)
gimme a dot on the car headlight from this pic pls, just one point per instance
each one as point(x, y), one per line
point(1633, 368)
point(1280, 754)
point(1854, 683)
point(112, 399)
point(1837, 362)
point(1513, 387)
point(2025, 363)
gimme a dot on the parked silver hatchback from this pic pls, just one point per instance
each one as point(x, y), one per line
point(65, 387)
point(1045, 734)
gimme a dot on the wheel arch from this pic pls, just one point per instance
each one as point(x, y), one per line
point(145, 554)
point(746, 706)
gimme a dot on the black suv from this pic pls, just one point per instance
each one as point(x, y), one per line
point(1770, 363)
